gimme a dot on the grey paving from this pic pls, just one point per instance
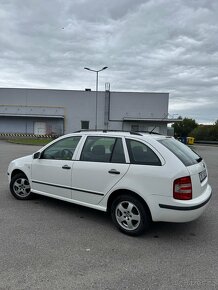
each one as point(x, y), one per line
point(48, 244)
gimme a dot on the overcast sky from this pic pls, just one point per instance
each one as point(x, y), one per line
point(151, 45)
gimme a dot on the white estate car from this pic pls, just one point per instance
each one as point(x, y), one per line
point(136, 177)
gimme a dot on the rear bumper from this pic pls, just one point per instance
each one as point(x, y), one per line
point(185, 208)
point(167, 209)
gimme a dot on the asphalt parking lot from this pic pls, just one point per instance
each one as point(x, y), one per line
point(49, 244)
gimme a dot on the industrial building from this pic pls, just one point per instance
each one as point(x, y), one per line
point(57, 112)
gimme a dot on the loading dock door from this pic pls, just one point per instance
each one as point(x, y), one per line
point(39, 128)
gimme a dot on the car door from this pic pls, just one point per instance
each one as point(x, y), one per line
point(52, 171)
point(101, 165)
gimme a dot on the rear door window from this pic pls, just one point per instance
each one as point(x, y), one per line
point(103, 149)
point(139, 153)
point(183, 152)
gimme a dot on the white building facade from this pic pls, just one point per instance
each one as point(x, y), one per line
point(58, 112)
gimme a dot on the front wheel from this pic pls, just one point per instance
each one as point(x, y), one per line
point(129, 215)
point(20, 187)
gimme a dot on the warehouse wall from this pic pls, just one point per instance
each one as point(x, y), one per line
point(28, 125)
point(77, 105)
point(138, 105)
point(29, 105)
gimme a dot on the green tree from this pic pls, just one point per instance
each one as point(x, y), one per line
point(206, 132)
point(184, 127)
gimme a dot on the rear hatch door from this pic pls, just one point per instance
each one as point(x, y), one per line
point(199, 177)
point(193, 162)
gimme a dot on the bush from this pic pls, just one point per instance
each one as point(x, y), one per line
point(206, 132)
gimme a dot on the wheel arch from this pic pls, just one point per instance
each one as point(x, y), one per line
point(17, 171)
point(119, 192)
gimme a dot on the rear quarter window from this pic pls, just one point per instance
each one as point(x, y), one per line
point(139, 153)
point(183, 152)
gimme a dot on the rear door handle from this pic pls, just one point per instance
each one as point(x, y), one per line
point(66, 167)
point(113, 171)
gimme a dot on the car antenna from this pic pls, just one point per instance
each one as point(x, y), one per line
point(164, 117)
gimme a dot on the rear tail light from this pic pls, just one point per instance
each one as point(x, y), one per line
point(182, 188)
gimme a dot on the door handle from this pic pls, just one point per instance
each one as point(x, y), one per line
point(113, 171)
point(66, 167)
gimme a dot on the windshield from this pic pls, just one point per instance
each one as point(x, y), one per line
point(183, 152)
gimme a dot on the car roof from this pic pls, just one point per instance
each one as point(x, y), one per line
point(138, 134)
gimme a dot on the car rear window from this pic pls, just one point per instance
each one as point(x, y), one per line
point(139, 153)
point(183, 152)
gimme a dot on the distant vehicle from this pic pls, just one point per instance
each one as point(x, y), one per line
point(136, 177)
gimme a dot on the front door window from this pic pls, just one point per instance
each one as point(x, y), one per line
point(61, 150)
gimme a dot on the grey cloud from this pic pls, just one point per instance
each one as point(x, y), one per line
point(156, 45)
point(101, 11)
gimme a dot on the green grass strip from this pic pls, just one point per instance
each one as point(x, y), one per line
point(30, 141)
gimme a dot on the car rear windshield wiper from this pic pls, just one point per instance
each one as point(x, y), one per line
point(199, 159)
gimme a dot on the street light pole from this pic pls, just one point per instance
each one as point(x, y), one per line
point(96, 96)
point(96, 102)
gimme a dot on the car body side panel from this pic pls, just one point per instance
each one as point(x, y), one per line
point(49, 176)
point(93, 180)
point(23, 164)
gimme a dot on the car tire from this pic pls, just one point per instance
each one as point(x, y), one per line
point(130, 215)
point(20, 187)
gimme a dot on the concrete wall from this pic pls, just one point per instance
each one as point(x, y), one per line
point(138, 105)
point(27, 125)
point(66, 109)
point(76, 105)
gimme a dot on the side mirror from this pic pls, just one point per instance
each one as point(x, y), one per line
point(37, 155)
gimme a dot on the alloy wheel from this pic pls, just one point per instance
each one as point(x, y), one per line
point(21, 187)
point(128, 215)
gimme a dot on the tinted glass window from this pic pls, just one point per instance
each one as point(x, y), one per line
point(139, 153)
point(183, 152)
point(85, 125)
point(118, 152)
point(103, 149)
point(62, 150)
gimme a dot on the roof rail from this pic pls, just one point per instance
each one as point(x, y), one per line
point(105, 131)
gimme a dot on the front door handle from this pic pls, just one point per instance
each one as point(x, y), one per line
point(66, 167)
point(113, 171)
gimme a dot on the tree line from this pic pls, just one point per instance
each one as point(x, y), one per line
point(188, 127)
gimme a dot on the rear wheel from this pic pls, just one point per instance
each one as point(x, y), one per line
point(129, 215)
point(20, 187)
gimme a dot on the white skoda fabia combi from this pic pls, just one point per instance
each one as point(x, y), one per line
point(136, 177)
